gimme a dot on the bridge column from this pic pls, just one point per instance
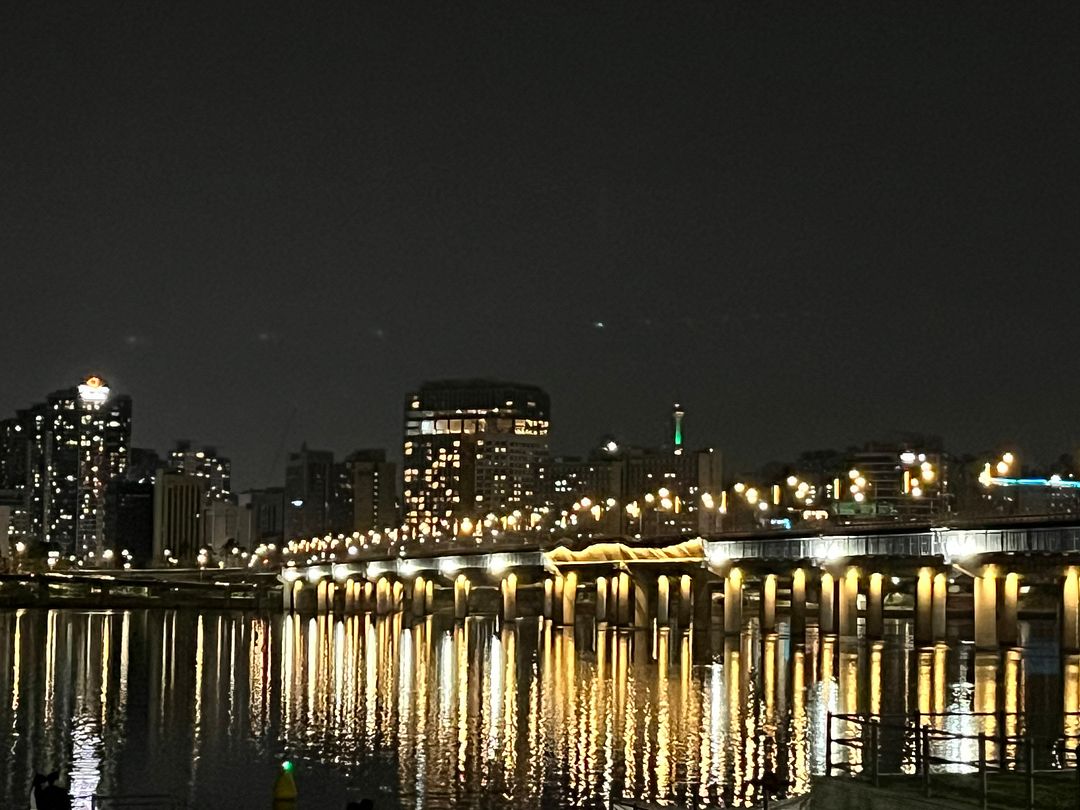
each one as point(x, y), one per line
point(686, 600)
point(1008, 627)
point(663, 601)
point(287, 596)
point(429, 597)
point(938, 624)
point(461, 596)
point(798, 604)
point(419, 597)
point(382, 596)
point(601, 600)
point(549, 598)
point(621, 592)
point(321, 596)
point(305, 597)
point(509, 597)
point(1070, 611)
point(642, 617)
point(924, 606)
point(849, 603)
point(875, 607)
point(367, 596)
point(569, 598)
point(558, 586)
point(986, 611)
point(768, 603)
point(349, 596)
point(733, 602)
point(827, 603)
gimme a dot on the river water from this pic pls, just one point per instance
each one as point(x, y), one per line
point(203, 706)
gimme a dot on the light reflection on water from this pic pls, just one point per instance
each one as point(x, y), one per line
point(202, 706)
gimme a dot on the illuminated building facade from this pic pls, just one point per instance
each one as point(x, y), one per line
point(203, 462)
point(473, 447)
point(179, 528)
point(58, 457)
point(374, 490)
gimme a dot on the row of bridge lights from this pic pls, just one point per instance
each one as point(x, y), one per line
point(919, 475)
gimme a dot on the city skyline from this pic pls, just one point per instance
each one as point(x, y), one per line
point(810, 229)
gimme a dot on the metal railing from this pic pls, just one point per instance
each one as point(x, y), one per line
point(998, 753)
point(144, 801)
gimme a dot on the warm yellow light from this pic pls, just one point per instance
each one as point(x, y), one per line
point(792, 480)
point(706, 500)
point(751, 496)
point(928, 475)
point(649, 497)
point(860, 481)
point(665, 503)
point(740, 487)
point(1008, 458)
point(663, 492)
point(853, 474)
point(1002, 467)
point(859, 497)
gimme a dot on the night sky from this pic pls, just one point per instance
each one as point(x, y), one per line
point(813, 224)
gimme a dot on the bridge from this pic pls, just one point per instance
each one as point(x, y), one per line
point(979, 571)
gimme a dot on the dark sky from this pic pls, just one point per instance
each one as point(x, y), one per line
point(812, 223)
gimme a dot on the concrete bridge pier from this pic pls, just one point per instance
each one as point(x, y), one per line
point(768, 604)
point(798, 604)
point(383, 596)
point(875, 607)
point(462, 586)
point(985, 599)
point(508, 588)
point(1008, 628)
point(848, 598)
point(663, 601)
point(938, 626)
point(323, 596)
point(1070, 611)
point(287, 591)
point(429, 597)
point(569, 598)
point(601, 614)
point(305, 597)
point(642, 613)
point(418, 602)
point(621, 594)
point(733, 602)
point(686, 600)
point(827, 603)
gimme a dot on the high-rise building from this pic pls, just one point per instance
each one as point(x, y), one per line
point(58, 457)
point(473, 447)
point(179, 528)
point(203, 462)
point(267, 518)
point(130, 518)
point(374, 490)
point(309, 493)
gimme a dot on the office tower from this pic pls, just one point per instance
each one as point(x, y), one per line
point(267, 514)
point(179, 528)
point(203, 462)
point(374, 490)
point(57, 457)
point(473, 447)
point(309, 490)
